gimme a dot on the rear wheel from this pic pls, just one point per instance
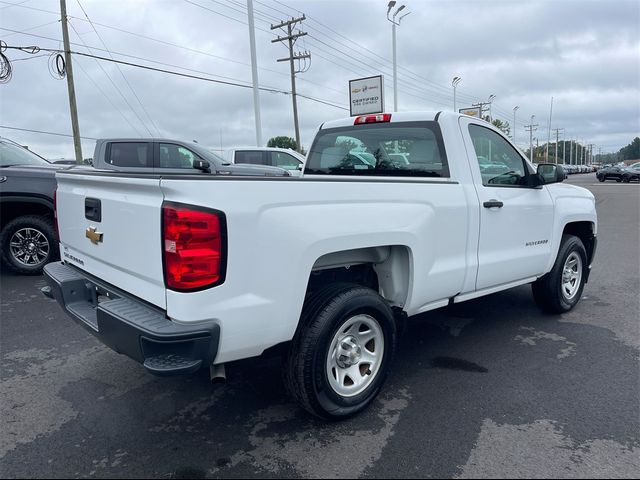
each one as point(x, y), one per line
point(560, 289)
point(28, 244)
point(342, 352)
point(625, 179)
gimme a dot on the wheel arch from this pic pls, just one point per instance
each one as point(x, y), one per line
point(386, 269)
point(585, 231)
point(14, 207)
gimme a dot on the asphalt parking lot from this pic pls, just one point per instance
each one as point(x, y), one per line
point(490, 388)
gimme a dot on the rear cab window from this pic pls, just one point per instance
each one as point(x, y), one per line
point(130, 154)
point(254, 157)
point(403, 149)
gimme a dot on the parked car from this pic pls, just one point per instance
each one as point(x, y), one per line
point(631, 173)
point(169, 156)
point(185, 272)
point(613, 172)
point(28, 238)
point(287, 159)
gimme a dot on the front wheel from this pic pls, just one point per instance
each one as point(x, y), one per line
point(602, 179)
point(625, 179)
point(342, 352)
point(560, 289)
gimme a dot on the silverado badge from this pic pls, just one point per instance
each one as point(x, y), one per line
point(93, 235)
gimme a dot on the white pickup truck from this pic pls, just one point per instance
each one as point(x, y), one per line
point(187, 271)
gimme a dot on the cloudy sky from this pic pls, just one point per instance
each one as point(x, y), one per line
point(584, 54)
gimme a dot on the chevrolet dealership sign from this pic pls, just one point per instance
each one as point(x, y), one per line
point(366, 95)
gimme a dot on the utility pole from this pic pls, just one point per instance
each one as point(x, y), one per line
point(549, 133)
point(482, 108)
point(254, 74)
point(557, 130)
point(530, 128)
point(571, 151)
point(72, 91)
point(291, 38)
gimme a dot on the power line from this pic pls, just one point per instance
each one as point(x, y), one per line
point(112, 82)
point(44, 132)
point(9, 4)
point(127, 55)
point(180, 74)
point(32, 28)
point(120, 70)
point(14, 4)
point(108, 98)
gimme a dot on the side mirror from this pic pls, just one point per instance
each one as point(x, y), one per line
point(202, 165)
point(551, 172)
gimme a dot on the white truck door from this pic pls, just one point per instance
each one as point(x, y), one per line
point(516, 221)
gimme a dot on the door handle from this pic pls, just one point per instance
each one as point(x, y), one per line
point(493, 203)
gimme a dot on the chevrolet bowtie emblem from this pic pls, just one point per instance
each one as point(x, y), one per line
point(93, 235)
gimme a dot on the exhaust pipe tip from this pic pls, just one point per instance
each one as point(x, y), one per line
point(217, 373)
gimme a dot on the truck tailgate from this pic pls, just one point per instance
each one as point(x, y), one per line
point(110, 227)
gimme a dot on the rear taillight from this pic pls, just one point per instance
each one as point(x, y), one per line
point(378, 118)
point(194, 247)
point(55, 212)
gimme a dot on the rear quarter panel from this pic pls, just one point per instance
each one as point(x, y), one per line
point(277, 229)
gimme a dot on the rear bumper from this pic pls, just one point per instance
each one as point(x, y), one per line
point(131, 326)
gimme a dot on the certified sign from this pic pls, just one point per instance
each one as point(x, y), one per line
point(472, 111)
point(366, 95)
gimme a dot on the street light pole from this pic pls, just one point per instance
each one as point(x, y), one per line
point(531, 128)
point(392, 4)
point(454, 83)
point(491, 97)
point(513, 136)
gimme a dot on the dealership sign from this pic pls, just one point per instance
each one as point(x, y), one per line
point(472, 112)
point(366, 95)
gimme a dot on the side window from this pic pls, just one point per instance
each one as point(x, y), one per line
point(500, 164)
point(129, 154)
point(175, 156)
point(284, 160)
point(254, 157)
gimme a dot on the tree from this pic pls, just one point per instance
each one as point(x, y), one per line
point(631, 151)
point(282, 142)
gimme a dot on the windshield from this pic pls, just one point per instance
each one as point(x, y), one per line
point(207, 154)
point(412, 149)
point(11, 154)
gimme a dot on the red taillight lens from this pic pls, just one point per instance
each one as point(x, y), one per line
point(193, 246)
point(55, 212)
point(379, 118)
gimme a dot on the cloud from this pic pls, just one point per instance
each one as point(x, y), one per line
point(584, 54)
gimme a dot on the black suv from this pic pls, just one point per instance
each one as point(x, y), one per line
point(28, 238)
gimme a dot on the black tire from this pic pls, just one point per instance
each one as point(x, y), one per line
point(13, 260)
point(602, 179)
point(548, 290)
point(625, 179)
point(305, 369)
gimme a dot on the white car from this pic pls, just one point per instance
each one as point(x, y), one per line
point(285, 158)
